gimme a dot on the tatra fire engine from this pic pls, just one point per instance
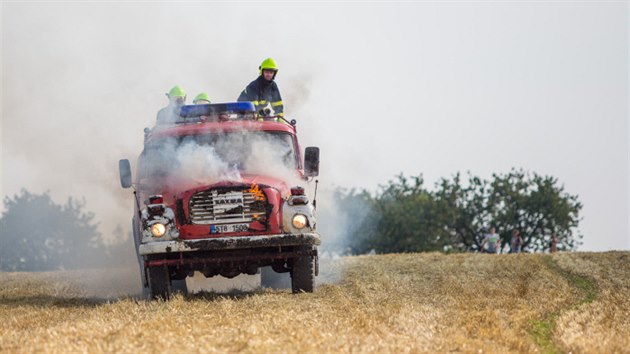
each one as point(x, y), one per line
point(221, 191)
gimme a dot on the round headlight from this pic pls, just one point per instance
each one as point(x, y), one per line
point(158, 230)
point(299, 221)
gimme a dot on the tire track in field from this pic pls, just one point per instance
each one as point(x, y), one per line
point(542, 330)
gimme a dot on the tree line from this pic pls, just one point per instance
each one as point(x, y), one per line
point(405, 216)
point(37, 234)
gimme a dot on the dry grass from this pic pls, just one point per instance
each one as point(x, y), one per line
point(603, 324)
point(390, 303)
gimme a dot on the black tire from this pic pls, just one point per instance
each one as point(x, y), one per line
point(269, 278)
point(146, 294)
point(159, 282)
point(303, 274)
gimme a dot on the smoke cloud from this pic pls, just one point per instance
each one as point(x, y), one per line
point(202, 162)
point(212, 157)
point(78, 92)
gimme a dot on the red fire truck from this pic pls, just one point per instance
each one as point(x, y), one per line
point(221, 191)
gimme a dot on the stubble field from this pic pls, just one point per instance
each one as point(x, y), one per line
point(431, 302)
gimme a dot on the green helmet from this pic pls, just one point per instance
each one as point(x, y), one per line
point(202, 97)
point(268, 64)
point(176, 91)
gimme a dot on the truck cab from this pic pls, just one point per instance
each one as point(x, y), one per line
point(221, 191)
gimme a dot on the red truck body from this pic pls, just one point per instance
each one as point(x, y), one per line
point(230, 224)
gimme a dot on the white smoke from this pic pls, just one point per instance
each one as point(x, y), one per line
point(213, 157)
point(201, 162)
point(269, 157)
point(70, 115)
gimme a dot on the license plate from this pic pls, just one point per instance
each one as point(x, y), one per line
point(221, 229)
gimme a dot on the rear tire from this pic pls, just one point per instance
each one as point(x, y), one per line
point(303, 274)
point(159, 283)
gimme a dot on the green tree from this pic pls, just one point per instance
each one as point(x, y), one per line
point(36, 234)
point(535, 205)
point(402, 218)
point(538, 207)
point(464, 210)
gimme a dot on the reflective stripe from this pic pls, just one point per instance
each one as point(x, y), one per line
point(255, 103)
point(277, 103)
point(280, 114)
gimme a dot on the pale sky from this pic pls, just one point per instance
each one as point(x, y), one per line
point(382, 88)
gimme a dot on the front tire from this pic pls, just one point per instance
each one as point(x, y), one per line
point(303, 274)
point(159, 282)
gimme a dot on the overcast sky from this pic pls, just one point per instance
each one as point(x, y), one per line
point(421, 88)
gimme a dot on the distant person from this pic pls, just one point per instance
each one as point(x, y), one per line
point(491, 242)
point(170, 113)
point(263, 91)
point(516, 242)
point(553, 244)
point(202, 98)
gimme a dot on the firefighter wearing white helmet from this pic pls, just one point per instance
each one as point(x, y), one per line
point(170, 113)
point(263, 92)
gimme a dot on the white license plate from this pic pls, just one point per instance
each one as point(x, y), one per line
point(221, 229)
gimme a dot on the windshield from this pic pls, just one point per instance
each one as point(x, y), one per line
point(219, 154)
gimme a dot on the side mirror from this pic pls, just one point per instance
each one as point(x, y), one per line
point(125, 173)
point(311, 161)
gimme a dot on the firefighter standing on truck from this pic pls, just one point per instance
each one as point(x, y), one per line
point(202, 98)
point(264, 91)
point(170, 114)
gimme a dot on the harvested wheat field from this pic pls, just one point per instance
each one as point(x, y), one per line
point(565, 302)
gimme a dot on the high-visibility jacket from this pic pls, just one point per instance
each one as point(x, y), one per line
point(261, 92)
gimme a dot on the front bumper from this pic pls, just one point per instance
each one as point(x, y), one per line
point(229, 243)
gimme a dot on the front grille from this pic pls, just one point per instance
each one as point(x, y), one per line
point(227, 206)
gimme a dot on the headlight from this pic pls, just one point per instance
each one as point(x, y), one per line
point(158, 230)
point(299, 221)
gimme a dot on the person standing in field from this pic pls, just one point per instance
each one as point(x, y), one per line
point(553, 244)
point(516, 242)
point(491, 242)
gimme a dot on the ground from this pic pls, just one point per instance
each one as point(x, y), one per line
point(428, 302)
